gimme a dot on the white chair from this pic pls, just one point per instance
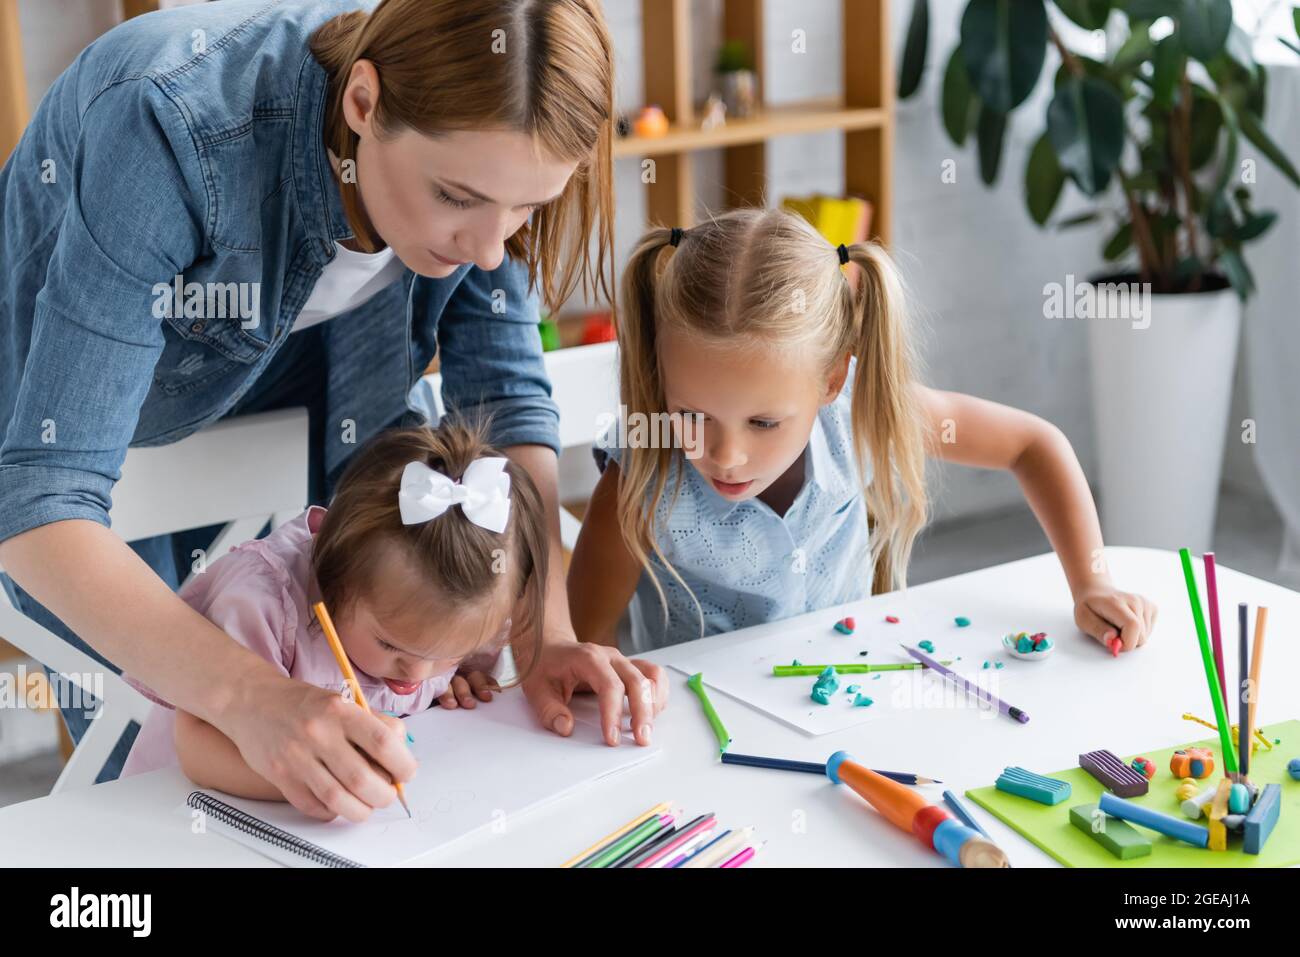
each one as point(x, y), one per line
point(584, 384)
point(205, 479)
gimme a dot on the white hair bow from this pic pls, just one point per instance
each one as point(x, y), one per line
point(483, 494)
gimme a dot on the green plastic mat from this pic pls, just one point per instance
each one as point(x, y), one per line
point(1050, 829)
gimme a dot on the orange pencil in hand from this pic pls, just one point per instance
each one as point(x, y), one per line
point(336, 646)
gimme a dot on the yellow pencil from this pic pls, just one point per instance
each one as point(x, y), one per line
point(336, 646)
point(635, 822)
point(1257, 661)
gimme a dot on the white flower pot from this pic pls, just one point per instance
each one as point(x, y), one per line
point(1160, 398)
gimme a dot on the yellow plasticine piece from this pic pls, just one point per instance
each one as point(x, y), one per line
point(1187, 789)
point(1219, 808)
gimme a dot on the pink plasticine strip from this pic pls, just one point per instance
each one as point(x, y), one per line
point(1212, 596)
point(679, 840)
point(740, 858)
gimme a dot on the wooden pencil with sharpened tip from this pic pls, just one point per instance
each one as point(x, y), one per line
point(660, 808)
point(336, 646)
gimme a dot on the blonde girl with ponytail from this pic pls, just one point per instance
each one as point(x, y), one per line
point(770, 454)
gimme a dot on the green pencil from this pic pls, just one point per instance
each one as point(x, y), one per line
point(1211, 674)
point(794, 671)
point(642, 833)
point(696, 683)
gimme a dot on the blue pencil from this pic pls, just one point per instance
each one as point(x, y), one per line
point(814, 767)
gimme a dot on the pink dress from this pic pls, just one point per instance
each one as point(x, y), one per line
point(257, 594)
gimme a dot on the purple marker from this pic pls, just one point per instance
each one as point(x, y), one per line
point(969, 686)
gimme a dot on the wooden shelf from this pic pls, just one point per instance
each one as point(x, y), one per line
point(810, 117)
point(864, 112)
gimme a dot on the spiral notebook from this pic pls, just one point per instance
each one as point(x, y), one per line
point(478, 768)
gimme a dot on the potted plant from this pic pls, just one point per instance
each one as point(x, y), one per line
point(735, 69)
point(1161, 134)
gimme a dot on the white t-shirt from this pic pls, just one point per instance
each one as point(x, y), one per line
point(348, 280)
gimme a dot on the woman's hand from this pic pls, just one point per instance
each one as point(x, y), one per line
point(1105, 612)
point(328, 757)
point(567, 666)
point(466, 686)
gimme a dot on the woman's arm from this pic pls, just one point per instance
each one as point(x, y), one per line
point(972, 431)
point(604, 572)
point(303, 738)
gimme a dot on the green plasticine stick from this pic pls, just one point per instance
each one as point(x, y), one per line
point(1211, 674)
point(696, 683)
point(794, 671)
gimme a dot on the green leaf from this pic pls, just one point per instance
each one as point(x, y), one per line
point(918, 39)
point(1085, 121)
point(1264, 143)
point(1004, 43)
point(960, 107)
point(1289, 45)
point(1167, 67)
point(1044, 179)
point(1229, 161)
point(1089, 14)
point(1079, 220)
point(1149, 9)
point(1295, 15)
point(989, 132)
point(1119, 243)
point(1203, 26)
point(1135, 51)
point(1234, 267)
point(1255, 226)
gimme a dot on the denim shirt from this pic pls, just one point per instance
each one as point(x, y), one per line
point(189, 143)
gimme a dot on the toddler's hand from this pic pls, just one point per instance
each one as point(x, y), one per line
point(466, 687)
point(1105, 612)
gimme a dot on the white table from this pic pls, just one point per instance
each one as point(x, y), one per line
point(1079, 700)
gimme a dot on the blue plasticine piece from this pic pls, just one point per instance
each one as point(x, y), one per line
point(927, 646)
point(1238, 799)
point(862, 701)
point(842, 628)
point(821, 695)
point(1035, 787)
point(1262, 818)
point(1166, 824)
point(1293, 768)
point(1024, 643)
point(962, 621)
point(853, 689)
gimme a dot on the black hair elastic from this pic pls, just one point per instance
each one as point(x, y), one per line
point(844, 254)
point(675, 237)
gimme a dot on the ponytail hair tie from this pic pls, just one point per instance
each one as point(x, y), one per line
point(675, 236)
point(844, 254)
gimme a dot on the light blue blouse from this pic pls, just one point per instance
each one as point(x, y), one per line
point(744, 563)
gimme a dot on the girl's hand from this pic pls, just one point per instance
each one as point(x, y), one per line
point(466, 687)
point(1105, 612)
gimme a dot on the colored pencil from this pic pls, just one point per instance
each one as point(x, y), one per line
point(1243, 677)
point(685, 835)
point(963, 815)
point(610, 838)
point(1216, 638)
point(800, 671)
point(678, 862)
point(1011, 711)
point(1257, 660)
point(633, 839)
point(336, 646)
point(814, 767)
point(720, 851)
point(744, 856)
point(687, 848)
point(696, 683)
point(647, 845)
point(1216, 696)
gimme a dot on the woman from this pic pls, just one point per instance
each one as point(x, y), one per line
point(242, 206)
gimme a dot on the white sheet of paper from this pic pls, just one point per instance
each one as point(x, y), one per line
point(477, 768)
point(742, 669)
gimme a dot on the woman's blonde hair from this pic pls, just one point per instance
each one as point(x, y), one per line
point(463, 562)
point(765, 277)
point(540, 67)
